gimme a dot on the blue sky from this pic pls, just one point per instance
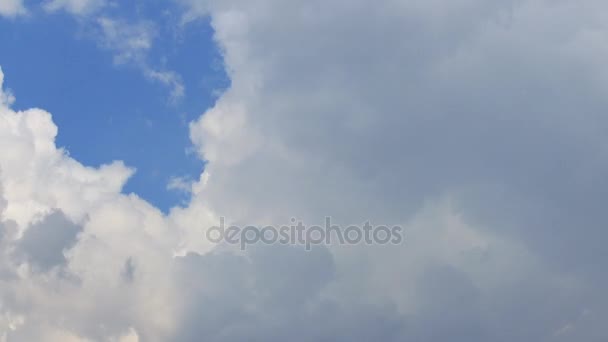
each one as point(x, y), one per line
point(107, 111)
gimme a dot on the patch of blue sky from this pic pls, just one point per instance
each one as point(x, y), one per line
point(107, 111)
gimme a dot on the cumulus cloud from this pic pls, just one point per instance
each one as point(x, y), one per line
point(386, 110)
point(477, 125)
point(47, 197)
point(12, 8)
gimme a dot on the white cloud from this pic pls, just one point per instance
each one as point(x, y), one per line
point(12, 8)
point(75, 7)
point(6, 97)
point(130, 43)
point(38, 177)
point(183, 184)
point(72, 247)
point(169, 79)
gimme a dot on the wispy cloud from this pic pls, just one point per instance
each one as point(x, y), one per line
point(12, 8)
point(75, 7)
point(131, 43)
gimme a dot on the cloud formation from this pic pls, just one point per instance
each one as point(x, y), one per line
point(75, 7)
point(477, 125)
point(12, 8)
point(130, 43)
point(485, 114)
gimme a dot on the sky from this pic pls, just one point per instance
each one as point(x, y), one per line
point(116, 112)
point(130, 131)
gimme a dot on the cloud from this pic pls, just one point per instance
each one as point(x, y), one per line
point(130, 43)
point(74, 250)
point(12, 8)
point(44, 243)
point(46, 197)
point(169, 79)
point(6, 96)
point(383, 111)
point(182, 184)
point(478, 126)
point(75, 7)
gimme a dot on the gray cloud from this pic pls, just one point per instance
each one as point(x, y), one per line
point(379, 110)
point(44, 243)
point(272, 294)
